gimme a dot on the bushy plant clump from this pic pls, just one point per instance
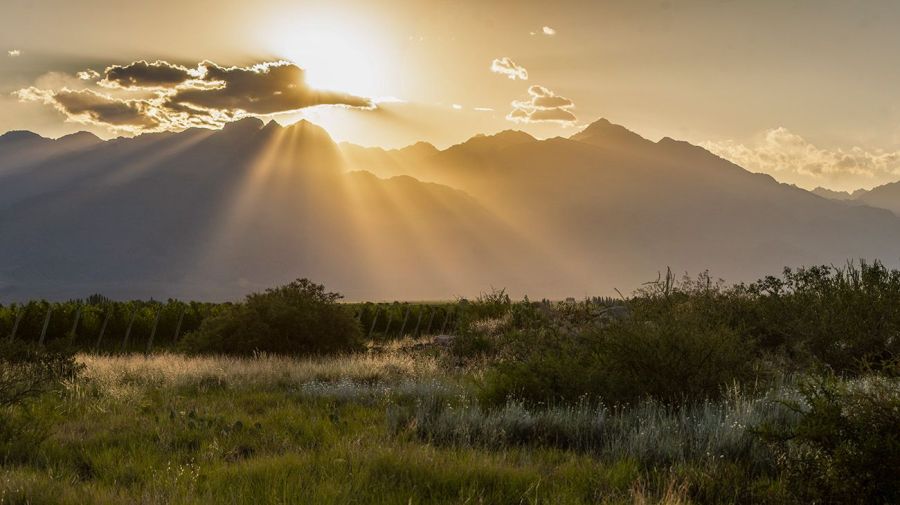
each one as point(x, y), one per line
point(847, 319)
point(670, 347)
point(845, 447)
point(301, 318)
point(26, 372)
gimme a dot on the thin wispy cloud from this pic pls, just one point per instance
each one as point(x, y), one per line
point(506, 66)
point(12, 53)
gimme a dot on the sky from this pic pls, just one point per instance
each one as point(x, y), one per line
point(802, 89)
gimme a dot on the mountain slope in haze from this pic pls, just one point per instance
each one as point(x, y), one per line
point(215, 214)
point(618, 207)
point(212, 215)
point(886, 196)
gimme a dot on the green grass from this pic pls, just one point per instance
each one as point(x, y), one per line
point(171, 429)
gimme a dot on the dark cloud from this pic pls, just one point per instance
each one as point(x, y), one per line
point(267, 88)
point(143, 74)
point(88, 106)
point(168, 96)
point(543, 106)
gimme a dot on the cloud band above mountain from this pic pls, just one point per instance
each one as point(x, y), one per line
point(169, 96)
point(792, 159)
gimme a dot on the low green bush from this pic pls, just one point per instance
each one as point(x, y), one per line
point(670, 347)
point(845, 448)
point(301, 318)
point(847, 319)
point(26, 372)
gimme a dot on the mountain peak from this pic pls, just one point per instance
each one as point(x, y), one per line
point(80, 139)
point(305, 129)
point(246, 124)
point(419, 149)
point(500, 140)
point(603, 133)
point(19, 135)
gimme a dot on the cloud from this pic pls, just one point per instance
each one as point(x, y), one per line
point(509, 68)
point(266, 88)
point(548, 31)
point(90, 107)
point(88, 75)
point(143, 74)
point(543, 106)
point(790, 158)
point(155, 96)
point(12, 53)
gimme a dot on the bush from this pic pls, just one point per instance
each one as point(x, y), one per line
point(846, 446)
point(300, 318)
point(847, 319)
point(26, 372)
point(671, 347)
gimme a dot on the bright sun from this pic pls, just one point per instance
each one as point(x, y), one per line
point(337, 54)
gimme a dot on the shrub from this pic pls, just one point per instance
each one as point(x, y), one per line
point(846, 446)
point(300, 318)
point(26, 372)
point(671, 347)
point(845, 318)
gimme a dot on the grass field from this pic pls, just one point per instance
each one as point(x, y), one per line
point(783, 391)
point(350, 429)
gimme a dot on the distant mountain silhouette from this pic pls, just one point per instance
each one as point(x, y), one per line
point(886, 196)
point(831, 194)
point(214, 214)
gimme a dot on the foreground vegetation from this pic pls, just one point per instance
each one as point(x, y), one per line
point(689, 391)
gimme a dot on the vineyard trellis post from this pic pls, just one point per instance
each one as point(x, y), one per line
point(418, 323)
point(387, 327)
point(153, 330)
point(178, 325)
point(103, 328)
point(75, 324)
point(19, 315)
point(403, 326)
point(128, 330)
point(431, 311)
point(374, 320)
point(46, 325)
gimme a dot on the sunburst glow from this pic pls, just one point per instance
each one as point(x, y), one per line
point(338, 53)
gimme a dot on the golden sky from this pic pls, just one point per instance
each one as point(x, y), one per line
point(802, 89)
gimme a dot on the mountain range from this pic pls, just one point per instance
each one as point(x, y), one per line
point(212, 215)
